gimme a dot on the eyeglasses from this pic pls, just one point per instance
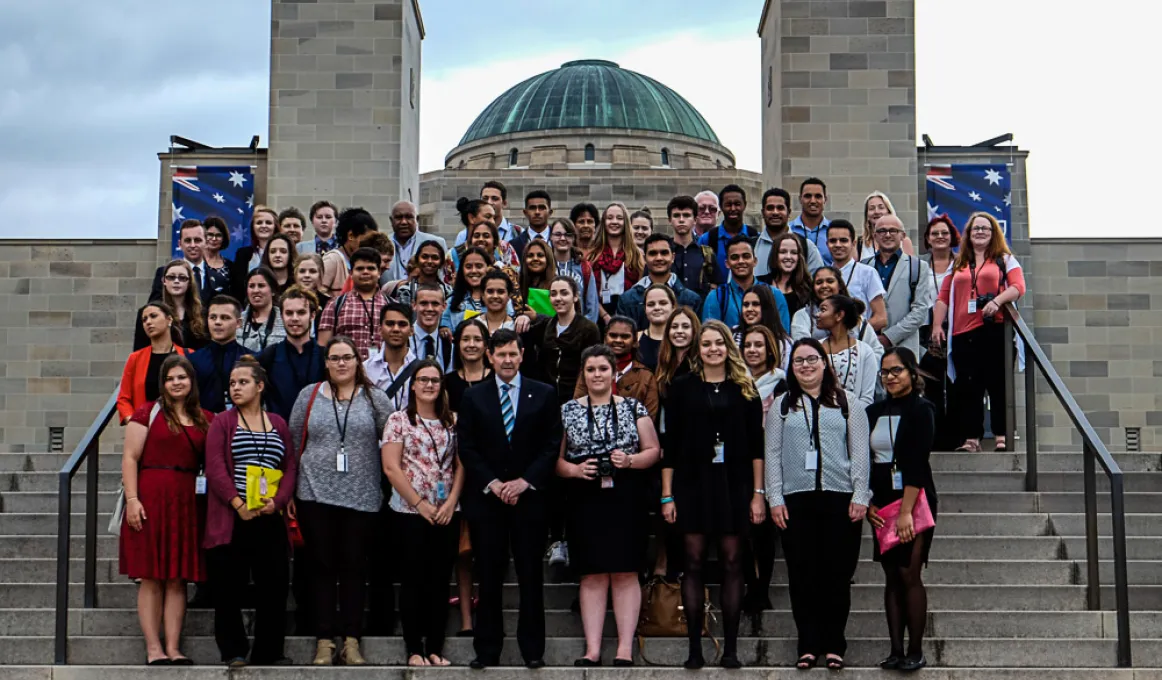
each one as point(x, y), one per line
point(428, 380)
point(810, 361)
point(562, 235)
point(708, 209)
point(341, 358)
point(885, 232)
point(213, 234)
point(894, 371)
point(939, 234)
point(980, 228)
point(177, 278)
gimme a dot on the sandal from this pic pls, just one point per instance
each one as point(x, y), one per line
point(1001, 445)
point(969, 446)
point(806, 662)
point(437, 660)
point(417, 660)
point(834, 663)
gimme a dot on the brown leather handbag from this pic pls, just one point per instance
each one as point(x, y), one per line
point(662, 614)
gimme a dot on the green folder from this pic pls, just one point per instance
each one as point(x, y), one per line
point(539, 301)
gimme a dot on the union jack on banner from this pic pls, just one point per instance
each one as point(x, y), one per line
point(227, 192)
point(960, 190)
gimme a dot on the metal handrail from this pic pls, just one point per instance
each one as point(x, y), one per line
point(1094, 450)
point(88, 450)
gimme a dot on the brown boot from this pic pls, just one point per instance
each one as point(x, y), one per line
point(324, 653)
point(350, 655)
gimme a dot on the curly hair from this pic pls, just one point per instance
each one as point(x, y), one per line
point(736, 371)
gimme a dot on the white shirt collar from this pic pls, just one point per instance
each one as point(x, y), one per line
point(544, 235)
point(419, 332)
point(515, 383)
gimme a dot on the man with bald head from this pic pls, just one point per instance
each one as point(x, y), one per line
point(406, 236)
point(908, 281)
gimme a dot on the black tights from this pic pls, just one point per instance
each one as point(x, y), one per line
point(693, 591)
point(905, 598)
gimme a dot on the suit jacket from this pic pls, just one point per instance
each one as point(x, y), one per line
point(131, 393)
point(521, 240)
point(399, 266)
point(905, 316)
point(211, 285)
point(238, 271)
point(487, 454)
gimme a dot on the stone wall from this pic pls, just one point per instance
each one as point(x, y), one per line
point(637, 188)
point(337, 93)
point(66, 328)
point(844, 103)
point(1098, 310)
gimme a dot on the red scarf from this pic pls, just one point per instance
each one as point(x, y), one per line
point(609, 263)
point(622, 363)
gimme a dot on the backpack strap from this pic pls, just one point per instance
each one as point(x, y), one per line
point(335, 313)
point(1004, 280)
point(156, 409)
point(402, 379)
point(913, 278)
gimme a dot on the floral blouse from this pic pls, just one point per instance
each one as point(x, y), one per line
point(580, 445)
point(429, 456)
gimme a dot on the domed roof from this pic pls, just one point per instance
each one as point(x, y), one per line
point(590, 93)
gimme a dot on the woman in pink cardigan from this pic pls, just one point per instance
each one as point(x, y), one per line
point(246, 536)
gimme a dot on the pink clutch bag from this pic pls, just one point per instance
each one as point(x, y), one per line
point(921, 518)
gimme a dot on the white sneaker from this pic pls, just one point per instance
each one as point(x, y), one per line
point(559, 553)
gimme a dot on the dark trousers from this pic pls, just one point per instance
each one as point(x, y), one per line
point(385, 572)
point(258, 550)
point(759, 563)
point(301, 588)
point(821, 545)
point(431, 552)
point(339, 540)
point(496, 529)
point(979, 358)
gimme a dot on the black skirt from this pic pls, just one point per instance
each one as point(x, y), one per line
point(608, 529)
point(883, 494)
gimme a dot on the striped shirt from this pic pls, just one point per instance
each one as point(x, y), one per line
point(261, 449)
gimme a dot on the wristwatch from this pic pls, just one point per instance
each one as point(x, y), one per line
point(761, 492)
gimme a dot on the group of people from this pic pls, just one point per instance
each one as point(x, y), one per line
point(565, 388)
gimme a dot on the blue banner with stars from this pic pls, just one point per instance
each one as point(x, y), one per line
point(226, 192)
point(960, 190)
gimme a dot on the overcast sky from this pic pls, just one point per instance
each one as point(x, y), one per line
point(90, 91)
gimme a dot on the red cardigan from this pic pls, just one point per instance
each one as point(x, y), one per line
point(131, 394)
point(220, 475)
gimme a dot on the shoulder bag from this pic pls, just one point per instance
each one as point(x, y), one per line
point(662, 614)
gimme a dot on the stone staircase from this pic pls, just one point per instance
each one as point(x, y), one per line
point(1006, 585)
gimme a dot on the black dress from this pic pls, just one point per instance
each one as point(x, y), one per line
point(608, 526)
point(912, 445)
point(712, 498)
point(153, 375)
point(455, 386)
point(647, 351)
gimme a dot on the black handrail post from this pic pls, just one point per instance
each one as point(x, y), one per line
point(1010, 386)
point(64, 517)
point(1030, 421)
point(1093, 584)
point(91, 524)
point(1121, 580)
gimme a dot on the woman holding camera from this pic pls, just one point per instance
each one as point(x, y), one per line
point(986, 276)
point(609, 443)
point(712, 479)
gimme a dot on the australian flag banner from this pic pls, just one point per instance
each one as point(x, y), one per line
point(960, 190)
point(203, 191)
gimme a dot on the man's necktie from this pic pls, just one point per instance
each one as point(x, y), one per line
point(506, 410)
point(198, 277)
point(429, 348)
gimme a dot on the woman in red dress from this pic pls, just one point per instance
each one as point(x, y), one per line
point(165, 443)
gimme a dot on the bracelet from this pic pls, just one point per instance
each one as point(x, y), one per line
point(761, 492)
point(667, 499)
point(132, 498)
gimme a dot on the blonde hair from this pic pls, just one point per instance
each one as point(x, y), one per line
point(191, 301)
point(260, 208)
point(634, 260)
point(997, 246)
point(736, 371)
point(868, 229)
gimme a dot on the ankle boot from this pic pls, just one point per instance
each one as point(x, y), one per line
point(350, 655)
point(324, 653)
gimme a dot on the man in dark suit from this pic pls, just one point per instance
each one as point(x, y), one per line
point(510, 436)
point(538, 210)
point(192, 240)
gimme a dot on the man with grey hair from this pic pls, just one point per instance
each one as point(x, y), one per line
point(406, 237)
point(907, 280)
point(706, 218)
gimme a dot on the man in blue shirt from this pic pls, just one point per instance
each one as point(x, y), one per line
point(725, 303)
point(811, 223)
point(732, 200)
point(214, 362)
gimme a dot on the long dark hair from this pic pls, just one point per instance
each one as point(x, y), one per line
point(443, 411)
point(770, 315)
point(830, 386)
point(851, 308)
point(543, 280)
point(191, 300)
point(908, 358)
point(192, 404)
point(457, 362)
point(799, 280)
point(668, 363)
point(460, 287)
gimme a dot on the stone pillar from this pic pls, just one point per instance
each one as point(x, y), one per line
point(839, 100)
point(344, 103)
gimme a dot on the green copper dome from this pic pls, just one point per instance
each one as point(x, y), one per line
point(590, 93)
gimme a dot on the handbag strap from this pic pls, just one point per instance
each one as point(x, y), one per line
point(307, 419)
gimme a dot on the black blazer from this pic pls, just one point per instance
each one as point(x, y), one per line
point(238, 271)
point(486, 452)
point(913, 445)
point(211, 286)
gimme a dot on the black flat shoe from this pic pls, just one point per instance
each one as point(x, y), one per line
point(694, 663)
point(534, 664)
point(466, 633)
point(181, 661)
point(163, 661)
point(622, 663)
point(586, 662)
point(913, 663)
point(478, 664)
point(731, 663)
point(892, 662)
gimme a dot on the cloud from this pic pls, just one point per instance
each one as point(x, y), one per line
point(722, 83)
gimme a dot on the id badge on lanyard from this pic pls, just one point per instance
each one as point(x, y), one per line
point(972, 306)
point(897, 479)
point(200, 484)
point(719, 453)
point(341, 460)
point(441, 491)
